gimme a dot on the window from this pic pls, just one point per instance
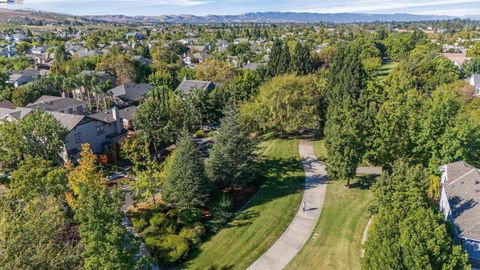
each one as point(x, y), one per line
point(100, 130)
point(78, 137)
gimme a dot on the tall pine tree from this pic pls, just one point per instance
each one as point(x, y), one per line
point(186, 184)
point(232, 157)
point(344, 125)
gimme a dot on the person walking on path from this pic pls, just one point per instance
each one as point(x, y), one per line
point(304, 206)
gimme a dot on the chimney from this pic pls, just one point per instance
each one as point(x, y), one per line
point(118, 120)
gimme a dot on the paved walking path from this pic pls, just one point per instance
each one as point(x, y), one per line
point(293, 239)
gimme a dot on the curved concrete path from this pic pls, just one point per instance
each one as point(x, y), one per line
point(298, 232)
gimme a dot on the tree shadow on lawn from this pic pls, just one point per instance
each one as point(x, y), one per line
point(363, 182)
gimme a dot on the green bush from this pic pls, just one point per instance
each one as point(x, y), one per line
point(200, 134)
point(169, 249)
point(164, 223)
point(193, 234)
point(226, 202)
point(139, 224)
point(150, 231)
point(189, 216)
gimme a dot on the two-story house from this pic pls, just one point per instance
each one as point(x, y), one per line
point(60, 104)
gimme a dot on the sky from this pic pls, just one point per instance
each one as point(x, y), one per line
point(234, 7)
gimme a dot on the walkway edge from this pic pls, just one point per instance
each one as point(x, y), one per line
point(302, 225)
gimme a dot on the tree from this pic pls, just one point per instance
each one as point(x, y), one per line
point(86, 176)
point(23, 47)
point(186, 184)
point(344, 126)
point(38, 134)
point(37, 177)
point(154, 118)
point(474, 51)
point(286, 105)
point(406, 232)
point(470, 67)
point(58, 66)
point(302, 62)
point(106, 243)
point(148, 182)
point(232, 157)
point(32, 236)
point(214, 70)
point(121, 66)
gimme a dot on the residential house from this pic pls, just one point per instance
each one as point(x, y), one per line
point(130, 93)
point(474, 81)
point(200, 56)
point(19, 78)
point(60, 104)
point(125, 114)
point(186, 86)
point(5, 104)
point(460, 203)
point(99, 133)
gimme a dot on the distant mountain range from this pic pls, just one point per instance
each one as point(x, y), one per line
point(271, 17)
point(29, 16)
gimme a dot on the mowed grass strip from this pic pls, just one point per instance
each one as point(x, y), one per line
point(336, 241)
point(266, 217)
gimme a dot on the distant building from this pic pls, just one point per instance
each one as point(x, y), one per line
point(186, 86)
point(142, 60)
point(460, 203)
point(457, 58)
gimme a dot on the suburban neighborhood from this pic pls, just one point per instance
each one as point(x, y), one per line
point(261, 141)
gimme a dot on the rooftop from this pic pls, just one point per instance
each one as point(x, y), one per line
point(463, 191)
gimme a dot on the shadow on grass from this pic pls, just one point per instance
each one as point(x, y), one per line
point(364, 182)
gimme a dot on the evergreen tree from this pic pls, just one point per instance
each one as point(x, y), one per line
point(274, 57)
point(232, 157)
point(302, 62)
point(344, 125)
point(186, 184)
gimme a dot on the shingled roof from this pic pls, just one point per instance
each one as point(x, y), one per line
point(462, 187)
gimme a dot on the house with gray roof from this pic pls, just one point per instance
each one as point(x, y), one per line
point(130, 93)
point(22, 77)
point(59, 104)
point(474, 81)
point(186, 86)
point(99, 132)
point(460, 203)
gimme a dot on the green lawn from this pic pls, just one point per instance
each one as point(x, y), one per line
point(267, 216)
point(339, 230)
point(385, 70)
point(320, 150)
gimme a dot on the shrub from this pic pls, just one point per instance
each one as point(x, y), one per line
point(193, 234)
point(200, 134)
point(189, 216)
point(139, 224)
point(169, 249)
point(225, 202)
point(150, 231)
point(163, 223)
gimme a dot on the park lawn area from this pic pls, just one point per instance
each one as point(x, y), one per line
point(385, 70)
point(265, 218)
point(339, 229)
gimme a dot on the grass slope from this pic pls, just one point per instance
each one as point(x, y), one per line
point(339, 230)
point(267, 216)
